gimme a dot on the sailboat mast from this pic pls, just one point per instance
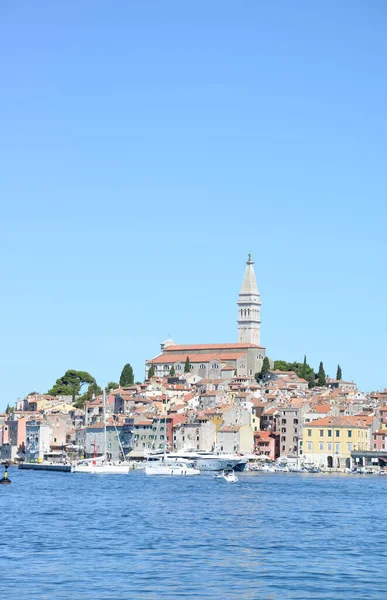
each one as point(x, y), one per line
point(104, 422)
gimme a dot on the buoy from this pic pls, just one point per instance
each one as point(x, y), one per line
point(5, 480)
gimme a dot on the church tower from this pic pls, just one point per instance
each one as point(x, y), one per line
point(249, 308)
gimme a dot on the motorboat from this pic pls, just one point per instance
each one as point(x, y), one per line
point(100, 467)
point(227, 475)
point(209, 461)
point(293, 468)
point(172, 468)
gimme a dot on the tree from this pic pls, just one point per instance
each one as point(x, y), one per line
point(311, 380)
point(265, 368)
point(151, 371)
point(281, 365)
point(304, 369)
point(112, 385)
point(9, 409)
point(172, 371)
point(71, 383)
point(321, 378)
point(187, 366)
point(33, 394)
point(127, 376)
point(93, 390)
point(339, 374)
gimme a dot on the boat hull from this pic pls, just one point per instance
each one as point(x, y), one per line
point(102, 469)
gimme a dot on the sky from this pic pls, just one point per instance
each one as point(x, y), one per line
point(147, 147)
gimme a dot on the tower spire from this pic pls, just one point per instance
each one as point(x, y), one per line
point(249, 307)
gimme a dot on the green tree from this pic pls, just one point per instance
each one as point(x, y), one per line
point(151, 371)
point(112, 385)
point(93, 390)
point(281, 365)
point(321, 378)
point(265, 368)
point(301, 369)
point(172, 371)
point(127, 376)
point(71, 383)
point(9, 409)
point(33, 394)
point(187, 366)
point(311, 380)
point(339, 374)
point(304, 371)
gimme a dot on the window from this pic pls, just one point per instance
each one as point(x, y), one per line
point(349, 445)
point(309, 433)
point(329, 447)
point(295, 421)
point(321, 445)
point(337, 433)
point(349, 433)
point(329, 432)
point(337, 447)
point(54, 439)
point(321, 433)
point(310, 445)
point(250, 371)
point(202, 366)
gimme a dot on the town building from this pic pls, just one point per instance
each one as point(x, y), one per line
point(236, 438)
point(328, 442)
point(38, 434)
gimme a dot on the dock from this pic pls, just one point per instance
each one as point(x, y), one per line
point(45, 467)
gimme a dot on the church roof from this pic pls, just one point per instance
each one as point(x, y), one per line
point(195, 358)
point(249, 284)
point(193, 347)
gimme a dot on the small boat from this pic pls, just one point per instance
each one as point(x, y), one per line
point(227, 475)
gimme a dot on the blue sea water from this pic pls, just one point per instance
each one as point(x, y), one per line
point(270, 536)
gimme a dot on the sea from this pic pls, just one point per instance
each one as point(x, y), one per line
point(68, 536)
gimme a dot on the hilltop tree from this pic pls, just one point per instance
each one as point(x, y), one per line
point(93, 390)
point(265, 368)
point(172, 371)
point(321, 378)
point(187, 366)
point(151, 371)
point(339, 374)
point(71, 383)
point(33, 394)
point(311, 379)
point(112, 385)
point(303, 369)
point(127, 376)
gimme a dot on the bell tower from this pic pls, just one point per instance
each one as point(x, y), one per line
point(249, 308)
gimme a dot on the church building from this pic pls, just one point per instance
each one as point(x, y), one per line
point(221, 361)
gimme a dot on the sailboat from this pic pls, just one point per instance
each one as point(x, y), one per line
point(99, 464)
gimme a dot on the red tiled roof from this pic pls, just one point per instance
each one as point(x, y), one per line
point(195, 358)
point(191, 347)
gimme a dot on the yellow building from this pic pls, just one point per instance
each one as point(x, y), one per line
point(328, 442)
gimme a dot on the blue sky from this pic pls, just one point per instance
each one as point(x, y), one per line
point(147, 146)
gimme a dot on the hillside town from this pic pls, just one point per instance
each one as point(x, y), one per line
point(226, 398)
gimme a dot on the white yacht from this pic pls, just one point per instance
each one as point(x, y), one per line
point(211, 461)
point(100, 467)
